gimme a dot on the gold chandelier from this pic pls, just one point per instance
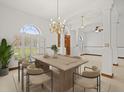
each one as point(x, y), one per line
point(57, 25)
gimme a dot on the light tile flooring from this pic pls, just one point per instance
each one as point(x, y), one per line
point(9, 83)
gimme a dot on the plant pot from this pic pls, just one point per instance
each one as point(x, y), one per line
point(4, 71)
point(55, 55)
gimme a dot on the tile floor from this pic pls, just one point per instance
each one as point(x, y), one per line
point(9, 83)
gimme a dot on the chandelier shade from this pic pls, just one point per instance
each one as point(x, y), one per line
point(57, 25)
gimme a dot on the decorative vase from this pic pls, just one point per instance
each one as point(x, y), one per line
point(55, 55)
point(4, 71)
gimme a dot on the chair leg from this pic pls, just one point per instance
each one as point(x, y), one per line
point(73, 82)
point(18, 71)
point(73, 88)
point(42, 86)
point(27, 83)
point(84, 89)
point(99, 83)
point(22, 84)
point(97, 89)
point(51, 81)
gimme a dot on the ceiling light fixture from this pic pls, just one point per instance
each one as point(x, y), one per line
point(99, 29)
point(82, 25)
point(57, 25)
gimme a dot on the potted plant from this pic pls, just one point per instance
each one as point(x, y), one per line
point(55, 49)
point(6, 53)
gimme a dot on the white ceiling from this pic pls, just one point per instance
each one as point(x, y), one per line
point(120, 6)
point(47, 8)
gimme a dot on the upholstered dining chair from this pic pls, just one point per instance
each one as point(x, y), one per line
point(89, 79)
point(22, 65)
point(37, 76)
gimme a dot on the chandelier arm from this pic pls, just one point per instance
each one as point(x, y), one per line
point(57, 25)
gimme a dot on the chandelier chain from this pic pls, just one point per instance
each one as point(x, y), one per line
point(57, 8)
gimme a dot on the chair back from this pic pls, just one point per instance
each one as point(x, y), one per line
point(91, 74)
point(33, 70)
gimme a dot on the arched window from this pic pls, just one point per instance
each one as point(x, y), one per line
point(30, 42)
point(30, 29)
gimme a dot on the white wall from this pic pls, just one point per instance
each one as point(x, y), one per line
point(12, 20)
point(93, 43)
point(120, 35)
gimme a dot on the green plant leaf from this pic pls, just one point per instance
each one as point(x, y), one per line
point(6, 53)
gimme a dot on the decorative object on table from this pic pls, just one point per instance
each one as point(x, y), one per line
point(57, 25)
point(46, 55)
point(55, 49)
point(6, 53)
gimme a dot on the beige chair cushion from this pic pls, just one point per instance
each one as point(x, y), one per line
point(91, 74)
point(39, 79)
point(31, 69)
point(86, 83)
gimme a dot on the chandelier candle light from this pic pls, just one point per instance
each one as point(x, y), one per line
point(57, 25)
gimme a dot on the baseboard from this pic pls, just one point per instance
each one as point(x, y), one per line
point(13, 68)
point(91, 54)
point(115, 65)
point(97, 55)
point(121, 57)
point(108, 76)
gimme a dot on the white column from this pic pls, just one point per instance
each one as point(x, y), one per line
point(62, 44)
point(107, 50)
point(74, 44)
point(114, 19)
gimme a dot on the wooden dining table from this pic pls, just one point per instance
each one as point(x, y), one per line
point(63, 68)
